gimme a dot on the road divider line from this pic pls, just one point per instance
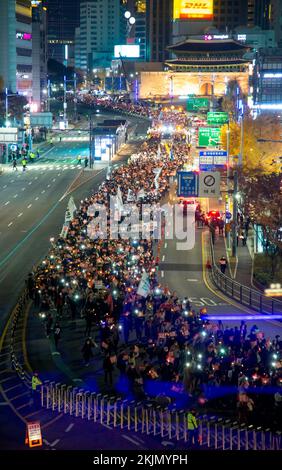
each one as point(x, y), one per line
point(29, 206)
point(69, 427)
point(131, 440)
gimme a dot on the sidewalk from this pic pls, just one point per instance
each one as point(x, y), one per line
point(241, 269)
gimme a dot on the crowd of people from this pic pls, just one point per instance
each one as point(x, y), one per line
point(154, 347)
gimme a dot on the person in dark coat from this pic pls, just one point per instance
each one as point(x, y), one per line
point(108, 369)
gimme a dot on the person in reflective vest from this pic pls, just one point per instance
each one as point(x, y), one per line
point(35, 382)
point(193, 432)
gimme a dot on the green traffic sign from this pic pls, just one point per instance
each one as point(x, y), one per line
point(209, 136)
point(198, 104)
point(217, 118)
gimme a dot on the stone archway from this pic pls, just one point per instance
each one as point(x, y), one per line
point(206, 89)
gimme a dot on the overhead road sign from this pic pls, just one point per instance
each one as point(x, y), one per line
point(209, 136)
point(217, 118)
point(188, 183)
point(41, 120)
point(198, 104)
point(8, 135)
point(216, 158)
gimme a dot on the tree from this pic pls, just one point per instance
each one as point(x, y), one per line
point(262, 156)
point(262, 200)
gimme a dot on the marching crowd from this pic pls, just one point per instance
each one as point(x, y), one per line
point(153, 347)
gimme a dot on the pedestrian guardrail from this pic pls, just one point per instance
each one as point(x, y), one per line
point(16, 361)
point(154, 420)
point(247, 296)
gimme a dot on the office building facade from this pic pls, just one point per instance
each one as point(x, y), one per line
point(63, 18)
point(39, 53)
point(102, 26)
point(159, 15)
point(16, 46)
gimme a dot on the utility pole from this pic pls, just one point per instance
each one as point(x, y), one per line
point(6, 107)
point(236, 190)
point(90, 142)
point(227, 203)
point(75, 96)
point(65, 101)
point(48, 95)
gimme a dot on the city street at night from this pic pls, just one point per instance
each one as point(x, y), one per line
point(140, 231)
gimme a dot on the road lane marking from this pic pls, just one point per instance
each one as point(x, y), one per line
point(15, 195)
point(11, 223)
point(23, 189)
point(21, 395)
point(55, 442)
point(69, 427)
point(106, 426)
point(5, 186)
point(8, 202)
point(46, 425)
point(162, 273)
point(29, 206)
point(131, 440)
point(20, 214)
point(163, 258)
point(30, 182)
point(37, 198)
point(42, 192)
point(192, 280)
point(165, 245)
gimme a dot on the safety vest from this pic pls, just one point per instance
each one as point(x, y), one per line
point(34, 382)
point(192, 422)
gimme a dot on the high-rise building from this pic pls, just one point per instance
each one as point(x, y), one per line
point(63, 18)
point(102, 26)
point(276, 15)
point(259, 13)
point(39, 52)
point(159, 15)
point(267, 79)
point(16, 46)
point(141, 27)
point(228, 14)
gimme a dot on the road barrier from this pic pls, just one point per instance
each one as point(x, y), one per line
point(17, 361)
point(251, 298)
point(154, 420)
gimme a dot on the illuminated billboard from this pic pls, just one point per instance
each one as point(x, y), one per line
point(127, 50)
point(193, 9)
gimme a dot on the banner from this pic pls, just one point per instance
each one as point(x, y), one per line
point(65, 230)
point(157, 172)
point(141, 194)
point(130, 196)
point(71, 208)
point(108, 175)
point(119, 200)
point(144, 285)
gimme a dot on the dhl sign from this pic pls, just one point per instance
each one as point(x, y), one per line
point(193, 9)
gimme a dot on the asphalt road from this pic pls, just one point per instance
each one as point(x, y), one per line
point(32, 208)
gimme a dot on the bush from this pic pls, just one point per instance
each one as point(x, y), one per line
point(263, 270)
